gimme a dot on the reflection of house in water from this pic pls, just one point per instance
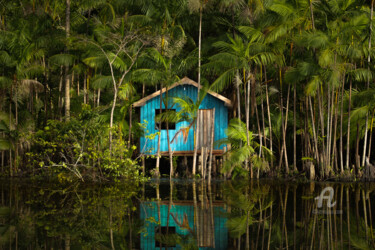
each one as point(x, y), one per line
point(210, 230)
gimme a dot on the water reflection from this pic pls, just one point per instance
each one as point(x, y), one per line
point(187, 215)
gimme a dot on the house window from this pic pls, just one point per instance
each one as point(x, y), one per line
point(162, 237)
point(171, 125)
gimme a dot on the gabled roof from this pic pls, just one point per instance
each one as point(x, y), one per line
point(183, 81)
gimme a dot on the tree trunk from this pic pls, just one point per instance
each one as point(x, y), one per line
point(348, 135)
point(157, 173)
point(294, 130)
point(370, 140)
point(268, 113)
point(357, 157)
point(98, 101)
point(196, 134)
point(85, 88)
point(368, 82)
point(10, 124)
point(211, 146)
point(341, 123)
point(262, 109)
point(334, 153)
point(247, 107)
point(111, 118)
point(130, 126)
point(171, 170)
point(314, 131)
point(67, 78)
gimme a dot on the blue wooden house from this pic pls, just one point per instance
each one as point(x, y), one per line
point(203, 226)
point(150, 107)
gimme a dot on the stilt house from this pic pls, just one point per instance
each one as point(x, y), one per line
point(212, 103)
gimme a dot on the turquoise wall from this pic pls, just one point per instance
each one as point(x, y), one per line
point(149, 215)
point(148, 113)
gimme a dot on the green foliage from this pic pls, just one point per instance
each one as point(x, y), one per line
point(242, 149)
point(78, 148)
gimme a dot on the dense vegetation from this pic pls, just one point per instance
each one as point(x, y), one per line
point(298, 72)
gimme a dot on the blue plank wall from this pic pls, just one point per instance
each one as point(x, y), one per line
point(149, 216)
point(148, 113)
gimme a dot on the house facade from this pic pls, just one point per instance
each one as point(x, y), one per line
point(185, 88)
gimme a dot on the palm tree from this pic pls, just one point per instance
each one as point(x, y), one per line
point(237, 59)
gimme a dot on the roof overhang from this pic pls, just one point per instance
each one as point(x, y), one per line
point(183, 81)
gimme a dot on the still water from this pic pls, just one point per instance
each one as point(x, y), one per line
point(187, 215)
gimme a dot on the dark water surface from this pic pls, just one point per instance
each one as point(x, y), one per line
point(187, 215)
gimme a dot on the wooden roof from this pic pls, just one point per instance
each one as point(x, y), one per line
point(183, 81)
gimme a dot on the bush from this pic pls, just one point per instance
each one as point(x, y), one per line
point(79, 148)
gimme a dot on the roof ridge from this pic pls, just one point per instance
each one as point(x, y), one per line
point(185, 80)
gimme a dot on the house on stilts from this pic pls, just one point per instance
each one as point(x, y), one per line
point(186, 88)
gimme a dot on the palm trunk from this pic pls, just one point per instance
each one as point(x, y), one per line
point(368, 82)
point(348, 135)
point(314, 131)
point(67, 79)
point(130, 126)
point(260, 137)
point(211, 146)
point(78, 92)
point(341, 123)
point(157, 173)
point(357, 158)
point(320, 110)
point(312, 15)
point(370, 140)
point(247, 107)
point(334, 154)
point(294, 130)
point(169, 143)
point(60, 92)
point(98, 100)
point(16, 127)
point(262, 109)
point(268, 112)
point(196, 134)
point(84, 88)
point(111, 118)
point(10, 124)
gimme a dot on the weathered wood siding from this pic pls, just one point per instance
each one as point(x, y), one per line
point(148, 114)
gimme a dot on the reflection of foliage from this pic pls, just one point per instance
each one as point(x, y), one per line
point(81, 215)
point(245, 202)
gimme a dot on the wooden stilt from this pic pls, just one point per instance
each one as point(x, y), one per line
point(211, 144)
point(222, 163)
point(214, 165)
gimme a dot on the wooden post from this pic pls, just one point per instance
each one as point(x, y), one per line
point(200, 163)
point(223, 160)
point(186, 166)
point(214, 165)
point(196, 145)
point(204, 161)
point(212, 144)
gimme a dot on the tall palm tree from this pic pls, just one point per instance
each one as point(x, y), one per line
point(237, 58)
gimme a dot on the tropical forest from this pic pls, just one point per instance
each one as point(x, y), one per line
point(187, 124)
